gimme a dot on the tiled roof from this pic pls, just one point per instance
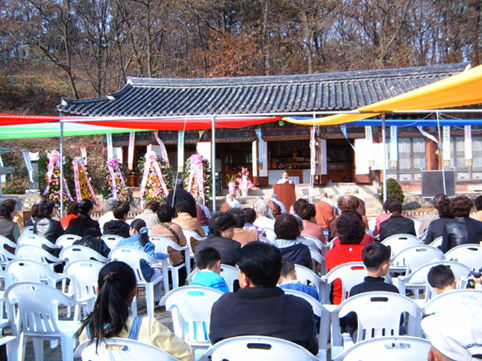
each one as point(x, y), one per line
point(151, 97)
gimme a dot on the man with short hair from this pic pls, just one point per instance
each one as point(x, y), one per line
point(118, 226)
point(259, 307)
point(284, 179)
point(396, 223)
point(325, 211)
point(442, 279)
point(150, 214)
point(230, 202)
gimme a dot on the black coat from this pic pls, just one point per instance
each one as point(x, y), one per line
point(264, 312)
point(117, 227)
point(299, 254)
point(97, 244)
point(396, 224)
point(461, 230)
point(80, 224)
point(178, 194)
point(436, 229)
point(227, 248)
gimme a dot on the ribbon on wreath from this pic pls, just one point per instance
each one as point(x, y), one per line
point(113, 168)
point(196, 171)
point(151, 161)
point(54, 161)
point(79, 161)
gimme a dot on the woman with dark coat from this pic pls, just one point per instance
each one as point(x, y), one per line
point(436, 227)
point(46, 226)
point(462, 229)
point(287, 230)
point(83, 221)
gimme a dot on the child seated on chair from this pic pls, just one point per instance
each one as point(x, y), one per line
point(442, 279)
point(92, 240)
point(117, 286)
point(376, 258)
point(288, 279)
point(208, 265)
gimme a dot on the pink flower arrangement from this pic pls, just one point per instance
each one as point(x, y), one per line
point(244, 182)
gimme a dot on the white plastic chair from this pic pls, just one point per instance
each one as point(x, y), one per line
point(416, 256)
point(125, 350)
point(111, 240)
point(351, 274)
point(5, 257)
point(35, 240)
point(467, 254)
point(229, 273)
point(417, 280)
point(66, 240)
point(190, 307)
point(257, 348)
point(81, 253)
point(38, 255)
point(447, 300)
point(399, 242)
point(308, 277)
point(31, 271)
point(270, 235)
point(397, 348)
point(188, 233)
point(437, 242)
point(132, 257)
point(27, 230)
point(314, 243)
point(4, 241)
point(83, 277)
point(378, 314)
point(162, 245)
point(318, 258)
point(37, 305)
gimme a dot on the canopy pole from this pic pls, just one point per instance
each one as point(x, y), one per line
point(213, 162)
point(385, 157)
point(61, 169)
point(442, 148)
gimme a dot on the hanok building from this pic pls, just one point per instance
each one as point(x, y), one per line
point(286, 146)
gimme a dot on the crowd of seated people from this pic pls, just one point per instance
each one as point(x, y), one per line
point(237, 237)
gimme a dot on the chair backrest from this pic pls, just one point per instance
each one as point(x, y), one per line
point(27, 230)
point(66, 240)
point(124, 350)
point(37, 306)
point(6, 256)
point(437, 242)
point(451, 298)
point(379, 314)
point(312, 242)
point(467, 254)
point(258, 348)
point(191, 312)
point(190, 233)
point(84, 278)
point(270, 235)
point(4, 241)
point(36, 254)
point(34, 240)
point(399, 242)
point(419, 275)
point(31, 271)
point(351, 274)
point(230, 275)
point(416, 256)
point(132, 256)
point(111, 240)
point(398, 348)
point(80, 253)
point(162, 244)
point(309, 277)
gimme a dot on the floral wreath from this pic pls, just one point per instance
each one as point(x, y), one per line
point(157, 178)
point(114, 181)
point(197, 177)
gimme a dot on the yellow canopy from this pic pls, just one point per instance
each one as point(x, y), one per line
point(461, 89)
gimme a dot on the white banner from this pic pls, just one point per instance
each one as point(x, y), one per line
point(369, 147)
point(130, 154)
point(469, 157)
point(180, 151)
point(313, 151)
point(393, 147)
point(83, 153)
point(362, 162)
point(446, 146)
point(110, 149)
point(162, 147)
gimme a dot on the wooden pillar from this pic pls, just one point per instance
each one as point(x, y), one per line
point(432, 155)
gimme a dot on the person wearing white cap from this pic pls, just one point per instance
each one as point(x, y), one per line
point(456, 332)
